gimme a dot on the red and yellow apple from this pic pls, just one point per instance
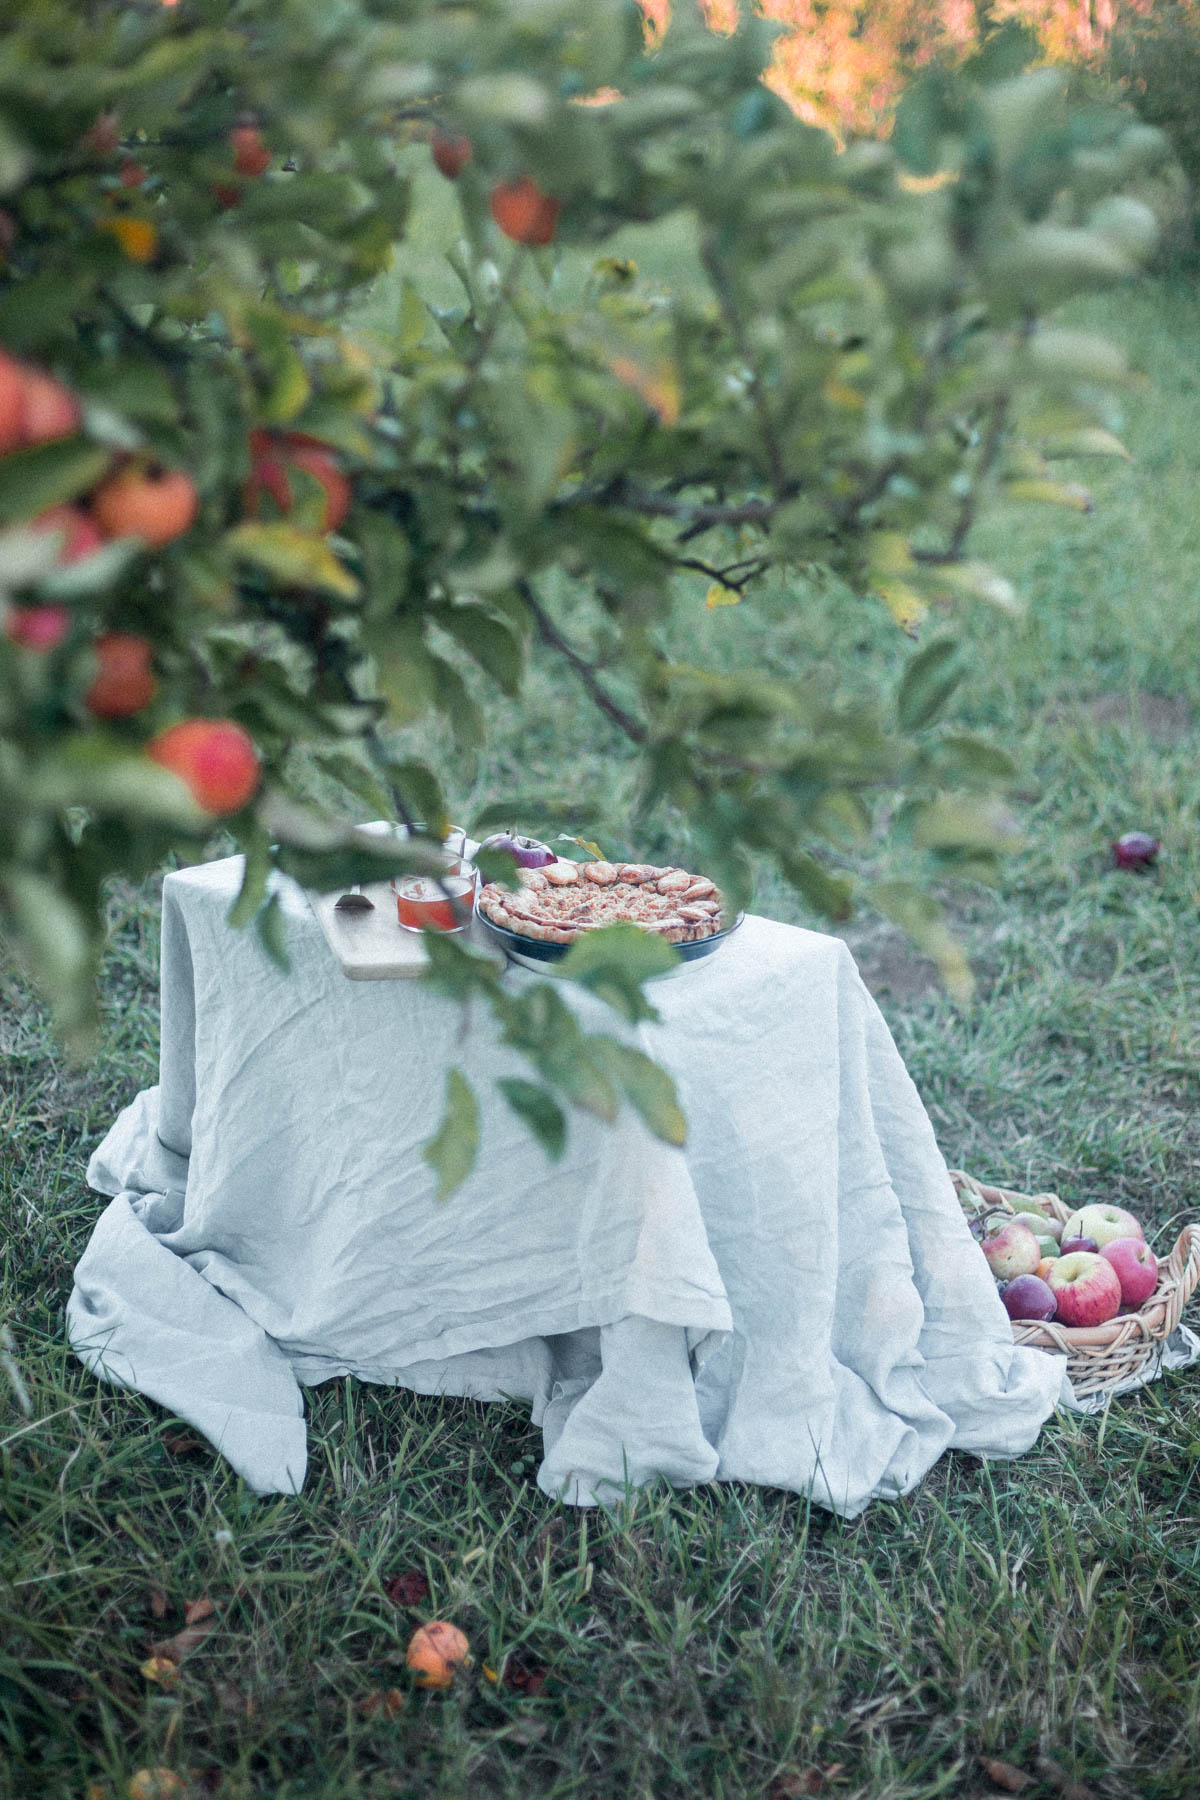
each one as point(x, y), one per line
point(1136, 1266)
point(1012, 1251)
point(214, 758)
point(1103, 1223)
point(1086, 1289)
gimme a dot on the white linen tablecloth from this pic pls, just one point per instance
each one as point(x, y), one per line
point(794, 1299)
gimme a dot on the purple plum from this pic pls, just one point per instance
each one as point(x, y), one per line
point(1029, 1297)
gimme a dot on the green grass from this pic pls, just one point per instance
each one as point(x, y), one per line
point(709, 1641)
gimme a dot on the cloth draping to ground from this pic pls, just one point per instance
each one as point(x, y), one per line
point(793, 1299)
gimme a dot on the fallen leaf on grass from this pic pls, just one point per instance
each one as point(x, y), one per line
point(155, 1784)
point(1005, 1775)
point(524, 1678)
point(158, 1603)
point(798, 1784)
point(409, 1588)
point(184, 1642)
point(179, 1444)
point(233, 1699)
point(195, 1610)
point(381, 1703)
point(162, 1669)
point(1057, 1776)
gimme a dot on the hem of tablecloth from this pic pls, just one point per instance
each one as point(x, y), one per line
point(700, 1319)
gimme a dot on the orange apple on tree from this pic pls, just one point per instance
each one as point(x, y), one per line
point(124, 682)
point(145, 500)
point(524, 213)
point(250, 155)
point(11, 403)
point(214, 758)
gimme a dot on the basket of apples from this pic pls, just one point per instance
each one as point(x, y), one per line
point(1082, 1283)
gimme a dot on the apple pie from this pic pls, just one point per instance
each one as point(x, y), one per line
point(557, 903)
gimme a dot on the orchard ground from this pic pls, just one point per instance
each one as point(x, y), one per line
point(722, 1640)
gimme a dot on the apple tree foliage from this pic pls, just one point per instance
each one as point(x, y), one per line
point(864, 368)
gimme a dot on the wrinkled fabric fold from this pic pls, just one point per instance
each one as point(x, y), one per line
point(793, 1299)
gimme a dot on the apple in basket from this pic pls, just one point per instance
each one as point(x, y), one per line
point(1086, 1289)
point(1012, 1251)
point(526, 852)
point(1136, 1266)
point(1103, 1223)
point(1029, 1297)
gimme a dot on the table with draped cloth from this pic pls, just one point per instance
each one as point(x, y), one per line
point(793, 1299)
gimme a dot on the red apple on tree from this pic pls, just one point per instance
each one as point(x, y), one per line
point(214, 758)
point(48, 409)
point(523, 212)
point(250, 155)
point(79, 534)
point(124, 681)
point(11, 403)
point(1085, 1288)
point(37, 627)
point(451, 153)
point(1136, 1266)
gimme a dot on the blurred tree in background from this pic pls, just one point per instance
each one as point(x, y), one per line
point(232, 525)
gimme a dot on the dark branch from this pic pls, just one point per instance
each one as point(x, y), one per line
point(550, 635)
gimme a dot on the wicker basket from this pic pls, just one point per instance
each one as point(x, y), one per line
point(1099, 1357)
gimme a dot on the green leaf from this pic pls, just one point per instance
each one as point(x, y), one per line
point(452, 1150)
point(928, 682)
point(540, 1111)
point(59, 943)
point(965, 822)
point(613, 963)
point(297, 558)
point(272, 934)
point(831, 895)
point(495, 647)
point(647, 1087)
point(32, 480)
point(255, 877)
point(973, 759)
point(919, 914)
point(90, 769)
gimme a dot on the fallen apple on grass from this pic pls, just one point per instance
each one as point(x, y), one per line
point(436, 1653)
point(1103, 1223)
point(1136, 1268)
point(1086, 1289)
point(1012, 1251)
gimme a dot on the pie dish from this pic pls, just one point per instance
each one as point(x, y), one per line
point(539, 920)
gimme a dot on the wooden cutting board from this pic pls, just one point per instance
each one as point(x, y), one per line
point(374, 946)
